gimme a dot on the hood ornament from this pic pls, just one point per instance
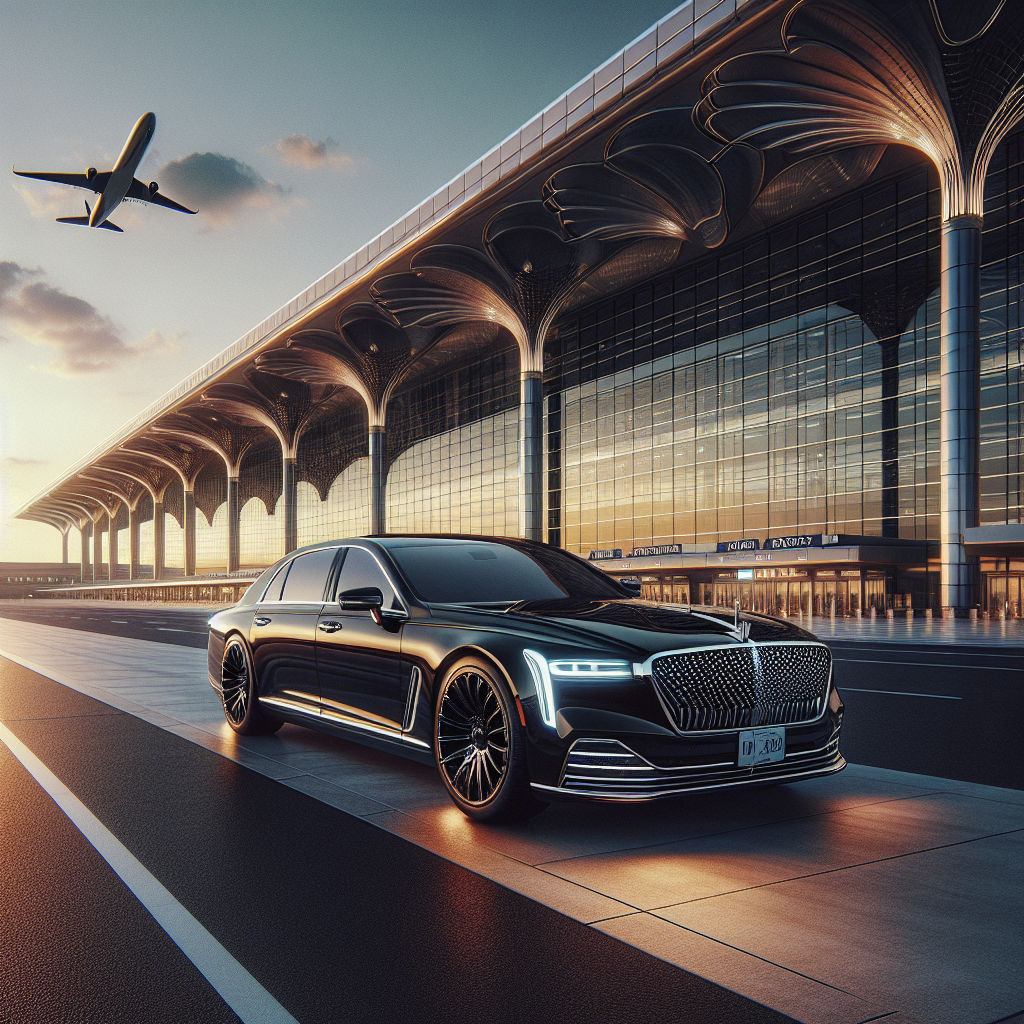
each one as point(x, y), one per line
point(742, 628)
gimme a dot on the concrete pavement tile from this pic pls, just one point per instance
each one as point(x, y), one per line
point(566, 831)
point(936, 933)
point(335, 796)
point(930, 782)
point(710, 865)
point(804, 998)
point(450, 834)
point(222, 745)
point(403, 791)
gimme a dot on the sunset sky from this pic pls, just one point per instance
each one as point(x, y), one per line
point(301, 131)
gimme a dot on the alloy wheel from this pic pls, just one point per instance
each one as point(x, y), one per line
point(472, 736)
point(235, 682)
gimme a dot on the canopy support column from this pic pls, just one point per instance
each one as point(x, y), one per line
point(531, 456)
point(959, 392)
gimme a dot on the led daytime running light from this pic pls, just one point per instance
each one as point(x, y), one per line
point(542, 679)
point(591, 669)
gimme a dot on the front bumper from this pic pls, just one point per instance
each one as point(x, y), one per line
point(610, 769)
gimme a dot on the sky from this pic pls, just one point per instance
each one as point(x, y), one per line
point(300, 130)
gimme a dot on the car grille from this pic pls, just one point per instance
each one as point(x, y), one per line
point(609, 769)
point(744, 686)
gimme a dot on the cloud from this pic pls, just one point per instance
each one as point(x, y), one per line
point(12, 460)
point(302, 151)
point(54, 202)
point(85, 340)
point(220, 187)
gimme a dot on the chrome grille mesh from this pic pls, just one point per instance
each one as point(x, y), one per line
point(741, 687)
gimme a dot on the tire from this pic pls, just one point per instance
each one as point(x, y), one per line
point(238, 692)
point(481, 747)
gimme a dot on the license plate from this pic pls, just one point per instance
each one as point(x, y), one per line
point(761, 746)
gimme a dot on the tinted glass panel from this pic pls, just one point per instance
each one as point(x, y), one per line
point(307, 577)
point(361, 570)
point(252, 595)
point(458, 573)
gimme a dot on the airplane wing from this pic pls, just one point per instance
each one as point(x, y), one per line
point(97, 183)
point(140, 191)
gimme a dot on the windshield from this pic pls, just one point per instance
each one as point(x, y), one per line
point(480, 573)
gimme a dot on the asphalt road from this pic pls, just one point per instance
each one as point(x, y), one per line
point(954, 712)
point(185, 626)
point(332, 918)
point(933, 709)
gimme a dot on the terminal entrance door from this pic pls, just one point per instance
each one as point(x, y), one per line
point(726, 594)
point(1004, 595)
point(789, 597)
point(666, 589)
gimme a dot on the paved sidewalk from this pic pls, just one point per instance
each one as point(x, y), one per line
point(838, 901)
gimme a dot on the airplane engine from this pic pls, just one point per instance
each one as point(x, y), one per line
point(90, 173)
point(153, 186)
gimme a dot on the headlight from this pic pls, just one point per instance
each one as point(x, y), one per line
point(591, 669)
point(543, 671)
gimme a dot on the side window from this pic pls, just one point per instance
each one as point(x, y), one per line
point(307, 577)
point(360, 569)
point(274, 590)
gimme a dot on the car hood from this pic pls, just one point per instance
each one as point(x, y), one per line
point(642, 627)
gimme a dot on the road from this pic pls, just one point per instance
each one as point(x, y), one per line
point(294, 910)
point(933, 709)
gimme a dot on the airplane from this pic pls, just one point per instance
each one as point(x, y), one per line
point(117, 185)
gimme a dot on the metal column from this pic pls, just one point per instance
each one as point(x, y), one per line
point(531, 457)
point(64, 546)
point(158, 540)
point(377, 480)
point(133, 542)
point(85, 532)
point(234, 548)
point(112, 547)
point(290, 499)
point(190, 532)
point(959, 390)
point(97, 549)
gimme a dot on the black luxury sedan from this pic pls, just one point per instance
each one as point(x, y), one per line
point(524, 672)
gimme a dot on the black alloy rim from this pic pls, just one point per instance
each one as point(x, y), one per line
point(472, 737)
point(235, 683)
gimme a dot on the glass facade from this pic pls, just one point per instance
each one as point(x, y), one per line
point(788, 384)
point(791, 384)
point(453, 449)
point(345, 513)
point(462, 481)
point(1002, 340)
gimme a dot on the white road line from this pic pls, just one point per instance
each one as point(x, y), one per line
point(898, 693)
point(930, 664)
point(172, 629)
point(235, 985)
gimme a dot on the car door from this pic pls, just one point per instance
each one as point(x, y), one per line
point(358, 656)
point(283, 635)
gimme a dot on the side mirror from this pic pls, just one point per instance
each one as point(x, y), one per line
point(361, 599)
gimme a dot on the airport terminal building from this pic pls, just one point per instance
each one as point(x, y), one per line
point(740, 315)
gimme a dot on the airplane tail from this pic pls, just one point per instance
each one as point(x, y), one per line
point(85, 221)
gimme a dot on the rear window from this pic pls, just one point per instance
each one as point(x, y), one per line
point(484, 573)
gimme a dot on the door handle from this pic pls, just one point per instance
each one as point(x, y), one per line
point(261, 620)
point(329, 626)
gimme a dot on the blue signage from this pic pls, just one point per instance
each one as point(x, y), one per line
point(658, 549)
point(802, 540)
point(750, 544)
point(596, 556)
